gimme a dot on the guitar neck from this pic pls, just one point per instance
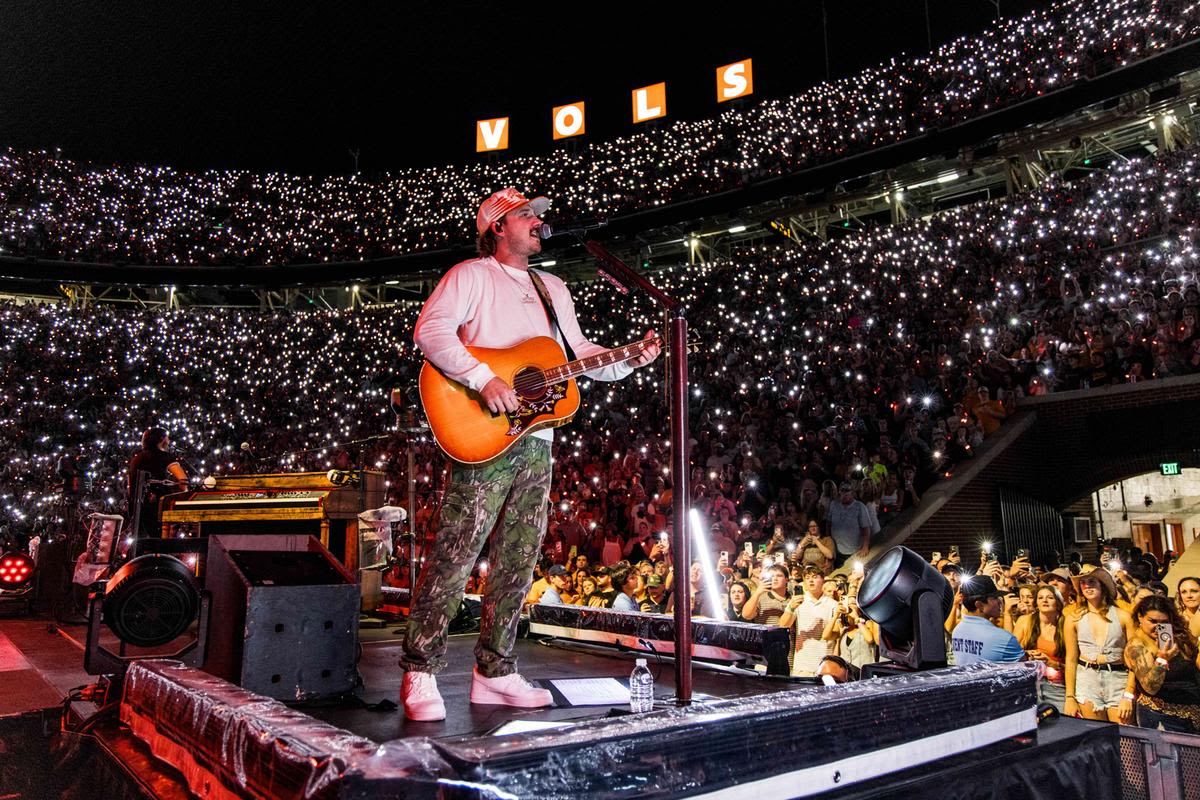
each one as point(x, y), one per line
point(575, 368)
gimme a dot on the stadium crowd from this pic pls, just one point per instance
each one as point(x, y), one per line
point(877, 362)
point(834, 384)
point(53, 207)
point(1109, 640)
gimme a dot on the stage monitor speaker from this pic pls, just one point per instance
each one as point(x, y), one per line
point(284, 616)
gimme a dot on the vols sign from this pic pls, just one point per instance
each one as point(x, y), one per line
point(650, 102)
point(735, 80)
point(568, 120)
point(491, 134)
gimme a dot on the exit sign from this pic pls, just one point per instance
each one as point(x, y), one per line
point(1169, 468)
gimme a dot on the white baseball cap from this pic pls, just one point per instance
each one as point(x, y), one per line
point(495, 207)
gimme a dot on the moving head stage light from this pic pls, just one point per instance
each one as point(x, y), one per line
point(910, 600)
point(149, 602)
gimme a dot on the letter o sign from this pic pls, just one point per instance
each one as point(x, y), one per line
point(568, 120)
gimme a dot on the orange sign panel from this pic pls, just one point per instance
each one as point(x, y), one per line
point(650, 102)
point(568, 120)
point(735, 80)
point(491, 134)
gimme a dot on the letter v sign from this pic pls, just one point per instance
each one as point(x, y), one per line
point(491, 134)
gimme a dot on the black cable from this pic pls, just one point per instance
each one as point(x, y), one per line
point(658, 659)
point(101, 713)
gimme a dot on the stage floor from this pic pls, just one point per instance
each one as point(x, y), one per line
point(537, 662)
point(41, 661)
point(39, 665)
point(1066, 759)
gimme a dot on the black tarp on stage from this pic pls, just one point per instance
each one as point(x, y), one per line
point(755, 738)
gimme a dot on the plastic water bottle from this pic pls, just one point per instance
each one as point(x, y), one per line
point(641, 688)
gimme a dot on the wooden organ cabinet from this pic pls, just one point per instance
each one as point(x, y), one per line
point(289, 502)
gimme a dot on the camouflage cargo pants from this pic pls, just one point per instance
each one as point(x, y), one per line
point(517, 485)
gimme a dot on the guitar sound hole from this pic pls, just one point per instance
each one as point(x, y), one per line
point(530, 384)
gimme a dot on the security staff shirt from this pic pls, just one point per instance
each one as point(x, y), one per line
point(976, 639)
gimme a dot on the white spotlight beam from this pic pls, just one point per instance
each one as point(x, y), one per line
point(710, 576)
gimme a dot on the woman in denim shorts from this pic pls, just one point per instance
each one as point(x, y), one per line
point(1098, 684)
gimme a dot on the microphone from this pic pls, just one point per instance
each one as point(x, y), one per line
point(544, 231)
point(396, 401)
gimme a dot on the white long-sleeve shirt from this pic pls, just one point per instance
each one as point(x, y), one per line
point(482, 303)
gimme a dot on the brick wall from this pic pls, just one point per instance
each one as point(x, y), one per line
point(1077, 442)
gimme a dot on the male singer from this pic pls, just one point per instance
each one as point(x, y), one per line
point(491, 301)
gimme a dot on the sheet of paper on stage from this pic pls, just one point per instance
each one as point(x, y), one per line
point(527, 726)
point(593, 691)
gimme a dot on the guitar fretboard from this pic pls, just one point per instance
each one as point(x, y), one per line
point(574, 368)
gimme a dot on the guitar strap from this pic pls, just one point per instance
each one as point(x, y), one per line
point(548, 304)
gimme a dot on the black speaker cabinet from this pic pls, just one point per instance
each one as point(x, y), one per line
point(284, 616)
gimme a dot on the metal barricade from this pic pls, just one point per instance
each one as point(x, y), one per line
point(1157, 765)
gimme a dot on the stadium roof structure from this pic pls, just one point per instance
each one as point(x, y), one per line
point(1137, 110)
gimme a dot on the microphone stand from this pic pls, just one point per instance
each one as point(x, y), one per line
point(411, 429)
point(362, 481)
point(675, 324)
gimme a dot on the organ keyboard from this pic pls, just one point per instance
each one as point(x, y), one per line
point(290, 502)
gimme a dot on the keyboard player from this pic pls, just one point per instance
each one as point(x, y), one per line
point(164, 475)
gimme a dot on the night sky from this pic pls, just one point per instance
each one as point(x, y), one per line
point(294, 86)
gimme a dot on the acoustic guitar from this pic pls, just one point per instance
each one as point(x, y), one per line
point(537, 369)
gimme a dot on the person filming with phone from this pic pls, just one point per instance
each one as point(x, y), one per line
point(815, 550)
point(1163, 657)
point(767, 604)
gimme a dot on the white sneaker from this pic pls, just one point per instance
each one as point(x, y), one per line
point(508, 690)
point(421, 699)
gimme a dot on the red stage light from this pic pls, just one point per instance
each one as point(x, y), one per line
point(16, 571)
